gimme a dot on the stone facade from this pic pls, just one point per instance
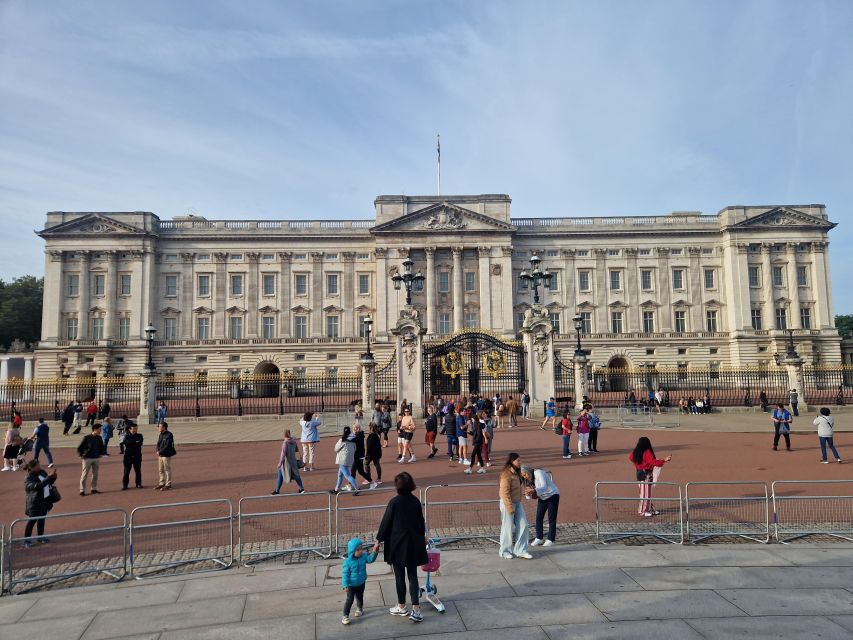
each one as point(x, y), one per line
point(267, 295)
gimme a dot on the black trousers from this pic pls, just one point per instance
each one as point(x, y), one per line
point(376, 464)
point(777, 433)
point(477, 452)
point(90, 420)
point(593, 440)
point(355, 593)
point(400, 574)
point(136, 463)
point(38, 523)
point(358, 466)
point(550, 505)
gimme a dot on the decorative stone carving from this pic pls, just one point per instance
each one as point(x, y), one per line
point(694, 251)
point(496, 269)
point(631, 252)
point(285, 256)
point(55, 256)
point(567, 253)
point(600, 253)
point(484, 252)
point(316, 256)
point(403, 252)
point(187, 257)
point(220, 257)
point(541, 347)
point(507, 252)
point(445, 219)
point(253, 257)
point(410, 349)
point(392, 271)
point(348, 256)
point(430, 251)
point(380, 252)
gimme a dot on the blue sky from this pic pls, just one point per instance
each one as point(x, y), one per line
point(309, 110)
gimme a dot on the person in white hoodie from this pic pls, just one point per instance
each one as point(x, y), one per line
point(539, 485)
point(824, 423)
point(310, 424)
point(344, 457)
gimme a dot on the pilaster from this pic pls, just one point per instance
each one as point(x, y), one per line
point(430, 291)
point(252, 295)
point(410, 372)
point(458, 290)
point(536, 334)
point(484, 289)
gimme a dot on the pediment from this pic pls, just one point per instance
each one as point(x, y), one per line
point(92, 224)
point(522, 306)
point(235, 309)
point(713, 303)
point(616, 303)
point(681, 303)
point(300, 309)
point(202, 310)
point(784, 218)
point(332, 309)
point(648, 304)
point(782, 300)
point(168, 311)
point(586, 305)
point(268, 309)
point(555, 306)
point(442, 217)
point(363, 307)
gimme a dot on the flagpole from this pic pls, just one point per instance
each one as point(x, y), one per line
point(438, 167)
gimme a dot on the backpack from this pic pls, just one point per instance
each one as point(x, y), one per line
point(594, 421)
point(558, 428)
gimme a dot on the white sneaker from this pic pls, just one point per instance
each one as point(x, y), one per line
point(468, 462)
point(524, 555)
point(481, 470)
point(412, 459)
point(378, 482)
point(401, 460)
point(347, 488)
point(6, 469)
point(468, 471)
point(648, 514)
point(507, 556)
point(373, 485)
point(364, 483)
point(50, 466)
point(824, 462)
point(461, 461)
point(567, 457)
point(396, 610)
point(345, 620)
point(488, 464)
point(536, 542)
point(548, 543)
point(357, 613)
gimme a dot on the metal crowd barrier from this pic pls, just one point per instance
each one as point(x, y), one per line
point(620, 516)
point(742, 511)
point(271, 526)
point(359, 515)
point(798, 516)
point(206, 543)
point(65, 551)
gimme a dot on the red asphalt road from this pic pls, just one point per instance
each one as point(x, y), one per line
point(205, 471)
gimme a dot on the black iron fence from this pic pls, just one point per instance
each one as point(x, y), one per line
point(386, 383)
point(48, 398)
point(828, 384)
point(564, 380)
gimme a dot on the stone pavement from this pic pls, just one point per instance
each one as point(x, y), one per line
point(579, 591)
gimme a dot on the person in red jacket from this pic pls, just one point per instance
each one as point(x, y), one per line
point(644, 460)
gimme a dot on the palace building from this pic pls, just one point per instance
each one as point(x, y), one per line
point(683, 289)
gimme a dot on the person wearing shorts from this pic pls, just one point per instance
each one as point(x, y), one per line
point(406, 433)
point(462, 435)
point(431, 427)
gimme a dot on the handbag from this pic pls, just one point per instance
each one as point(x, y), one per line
point(54, 495)
point(299, 464)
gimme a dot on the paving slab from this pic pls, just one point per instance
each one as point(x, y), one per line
point(607, 556)
point(766, 627)
point(663, 578)
point(768, 602)
point(377, 568)
point(514, 633)
point(807, 556)
point(802, 577)
point(657, 629)
point(527, 611)
point(291, 627)
point(69, 628)
point(378, 623)
point(241, 583)
point(459, 587)
point(661, 605)
point(62, 604)
point(844, 621)
point(181, 615)
point(489, 561)
point(274, 604)
point(528, 583)
point(724, 556)
point(12, 609)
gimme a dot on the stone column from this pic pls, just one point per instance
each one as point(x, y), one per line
point(507, 301)
point(54, 291)
point(382, 324)
point(581, 363)
point(28, 377)
point(632, 293)
point(253, 295)
point(568, 284)
point(147, 397)
point(665, 296)
point(484, 267)
point(186, 296)
point(602, 292)
point(83, 297)
point(348, 324)
point(150, 291)
point(110, 296)
point(284, 284)
point(409, 361)
point(219, 288)
point(538, 342)
point(458, 290)
point(4, 368)
point(793, 288)
point(316, 296)
point(368, 382)
point(794, 368)
point(736, 273)
point(822, 287)
point(694, 295)
point(767, 285)
point(431, 321)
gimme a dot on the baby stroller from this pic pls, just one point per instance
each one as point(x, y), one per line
point(429, 590)
point(26, 447)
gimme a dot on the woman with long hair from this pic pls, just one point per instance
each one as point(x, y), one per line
point(644, 460)
point(463, 426)
point(478, 430)
point(373, 452)
point(407, 432)
point(431, 428)
point(310, 424)
point(288, 465)
point(344, 456)
point(513, 540)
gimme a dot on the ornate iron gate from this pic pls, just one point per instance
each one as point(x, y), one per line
point(386, 384)
point(473, 362)
point(564, 379)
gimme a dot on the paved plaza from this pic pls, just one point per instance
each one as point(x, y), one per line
point(577, 591)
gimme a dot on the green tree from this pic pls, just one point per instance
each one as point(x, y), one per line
point(844, 324)
point(20, 309)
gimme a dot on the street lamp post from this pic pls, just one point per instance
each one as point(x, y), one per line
point(792, 350)
point(536, 277)
point(578, 322)
point(150, 332)
point(368, 327)
point(408, 279)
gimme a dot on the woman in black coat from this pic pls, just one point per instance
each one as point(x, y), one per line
point(37, 489)
point(403, 531)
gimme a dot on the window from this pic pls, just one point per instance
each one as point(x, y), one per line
point(333, 324)
point(714, 370)
point(616, 322)
point(363, 284)
point(300, 284)
point(124, 284)
point(99, 284)
point(646, 279)
point(781, 318)
point(236, 327)
point(330, 256)
point(234, 358)
point(443, 281)
point(171, 286)
point(300, 326)
point(650, 352)
point(363, 256)
point(203, 257)
point(583, 253)
point(124, 328)
point(678, 279)
point(331, 356)
point(444, 323)
point(711, 320)
point(71, 328)
point(555, 321)
point(235, 256)
point(676, 252)
point(268, 256)
point(170, 328)
point(805, 317)
point(269, 284)
point(648, 321)
point(682, 351)
point(237, 285)
point(268, 327)
point(331, 284)
point(615, 280)
point(680, 321)
point(802, 276)
point(707, 251)
point(203, 286)
point(470, 320)
point(552, 283)
point(710, 280)
point(470, 281)
point(170, 257)
point(613, 252)
point(72, 285)
point(586, 322)
point(583, 280)
point(97, 332)
point(754, 276)
point(203, 328)
point(645, 252)
point(714, 351)
point(519, 320)
point(552, 253)
point(777, 276)
point(756, 319)
point(362, 328)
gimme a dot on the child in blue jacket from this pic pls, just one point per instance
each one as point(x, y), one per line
point(354, 577)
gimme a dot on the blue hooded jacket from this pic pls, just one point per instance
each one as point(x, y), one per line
point(354, 570)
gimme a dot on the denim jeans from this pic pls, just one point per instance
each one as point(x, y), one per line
point(39, 447)
point(566, 449)
point(513, 530)
point(343, 473)
point(280, 480)
point(823, 443)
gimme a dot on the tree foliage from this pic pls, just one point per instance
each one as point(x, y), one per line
point(844, 324)
point(20, 309)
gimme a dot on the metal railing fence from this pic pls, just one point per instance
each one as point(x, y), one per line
point(797, 515)
point(272, 526)
point(621, 516)
point(742, 511)
point(202, 536)
point(359, 515)
point(66, 551)
point(48, 398)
